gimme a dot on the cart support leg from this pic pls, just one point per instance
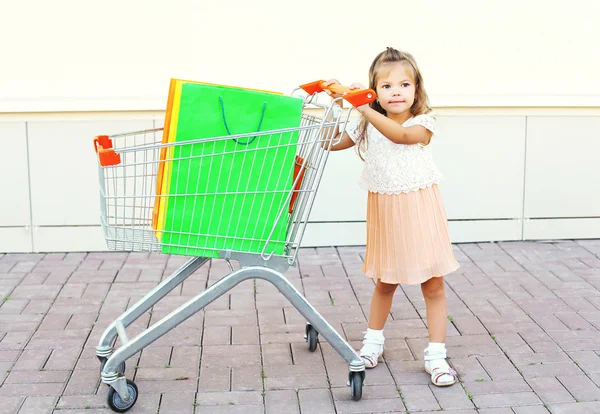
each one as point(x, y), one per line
point(314, 318)
point(104, 348)
point(220, 287)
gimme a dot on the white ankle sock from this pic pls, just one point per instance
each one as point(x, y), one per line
point(437, 347)
point(435, 359)
point(374, 333)
point(373, 348)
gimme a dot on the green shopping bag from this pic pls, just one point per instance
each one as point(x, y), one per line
point(227, 194)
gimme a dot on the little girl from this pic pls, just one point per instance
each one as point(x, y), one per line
point(407, 228)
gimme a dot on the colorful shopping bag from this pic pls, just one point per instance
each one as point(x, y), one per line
point(229, 194)
point(171, 113)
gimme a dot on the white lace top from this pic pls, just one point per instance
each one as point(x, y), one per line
point(397, 168)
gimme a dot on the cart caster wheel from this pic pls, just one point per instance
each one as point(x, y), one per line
point(312, 337)
point(117, 404)
point(356, 384)
point(120, 368)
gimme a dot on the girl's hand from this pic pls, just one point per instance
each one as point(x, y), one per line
point(336, 95)
point(357, 86)
point(330, 93)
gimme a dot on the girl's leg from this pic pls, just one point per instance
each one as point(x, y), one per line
point(381, 303)
point(435, 354)
point(435, 303)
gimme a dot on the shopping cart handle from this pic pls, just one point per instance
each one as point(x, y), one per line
point(356, 97)
point(106, 155)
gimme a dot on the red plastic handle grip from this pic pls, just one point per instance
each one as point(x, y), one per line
point(356, 97)
point(106, 155)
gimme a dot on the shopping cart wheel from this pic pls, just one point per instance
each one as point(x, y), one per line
point(120, 368)
point(117, 404)
point(356, 384)
point(312, 337)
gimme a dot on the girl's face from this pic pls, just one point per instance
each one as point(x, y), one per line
point(395, 89)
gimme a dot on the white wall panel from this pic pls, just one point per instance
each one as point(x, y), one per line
point(563, 168)
point(69, 239)
point(15, 240)
point(64, 169)
point(484, 230)
point(340, 198)
point(482, 160)
point(14, 185)
point(545, 229)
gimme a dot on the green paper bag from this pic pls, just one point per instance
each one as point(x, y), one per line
point(227, 194)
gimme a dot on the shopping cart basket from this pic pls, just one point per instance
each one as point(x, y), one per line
point(128, 171)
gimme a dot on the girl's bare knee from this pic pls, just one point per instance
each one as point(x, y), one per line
point(433, 288)
point(385, 288)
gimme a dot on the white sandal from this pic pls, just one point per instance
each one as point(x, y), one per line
point(437, 366)
point(372, 350)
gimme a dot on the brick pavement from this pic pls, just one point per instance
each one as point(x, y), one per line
point(523, 335)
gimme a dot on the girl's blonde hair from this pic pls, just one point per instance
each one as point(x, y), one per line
point(382, 62)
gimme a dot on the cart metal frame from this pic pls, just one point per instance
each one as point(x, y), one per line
point(133, 233)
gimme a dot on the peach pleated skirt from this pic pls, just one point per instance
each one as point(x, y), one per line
point(407, 237)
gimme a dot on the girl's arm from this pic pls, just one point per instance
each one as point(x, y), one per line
point(345, 142)
point(393, 131)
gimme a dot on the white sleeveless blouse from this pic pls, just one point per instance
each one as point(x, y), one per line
point(397, 168)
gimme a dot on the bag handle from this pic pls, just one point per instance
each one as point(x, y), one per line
point(262, 116)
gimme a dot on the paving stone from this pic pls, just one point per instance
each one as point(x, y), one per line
point(244, 335)
point(469, 369)
point(524, 332)
point(32, 390)
point(550, 370)
point(178, 403)
point(316, 401)
point(530, 409)
point(294, 377)
point(282, 401)
point(512, 343)
point(11, 405)
point(32, 360)
point(540, 358)
point(59, 339)
point(451, 398)
point(231, 355)
point(83, 382)
point(499, 367)
point(576, 408)
point(36, 377)
point(550, 390)
point(276, 354)
point(210, 399)
point(418, 398)
point(158, 387)
point(588, 361)
point(249, 378)
point(497, 386)
point(494, 411)
point(15, 340)
point(506, 400)
point(166, 373)
point(581, 387)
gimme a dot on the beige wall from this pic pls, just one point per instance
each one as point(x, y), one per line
point(517, 98)
point(112, 54)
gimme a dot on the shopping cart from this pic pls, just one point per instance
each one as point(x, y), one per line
point(128, 171)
